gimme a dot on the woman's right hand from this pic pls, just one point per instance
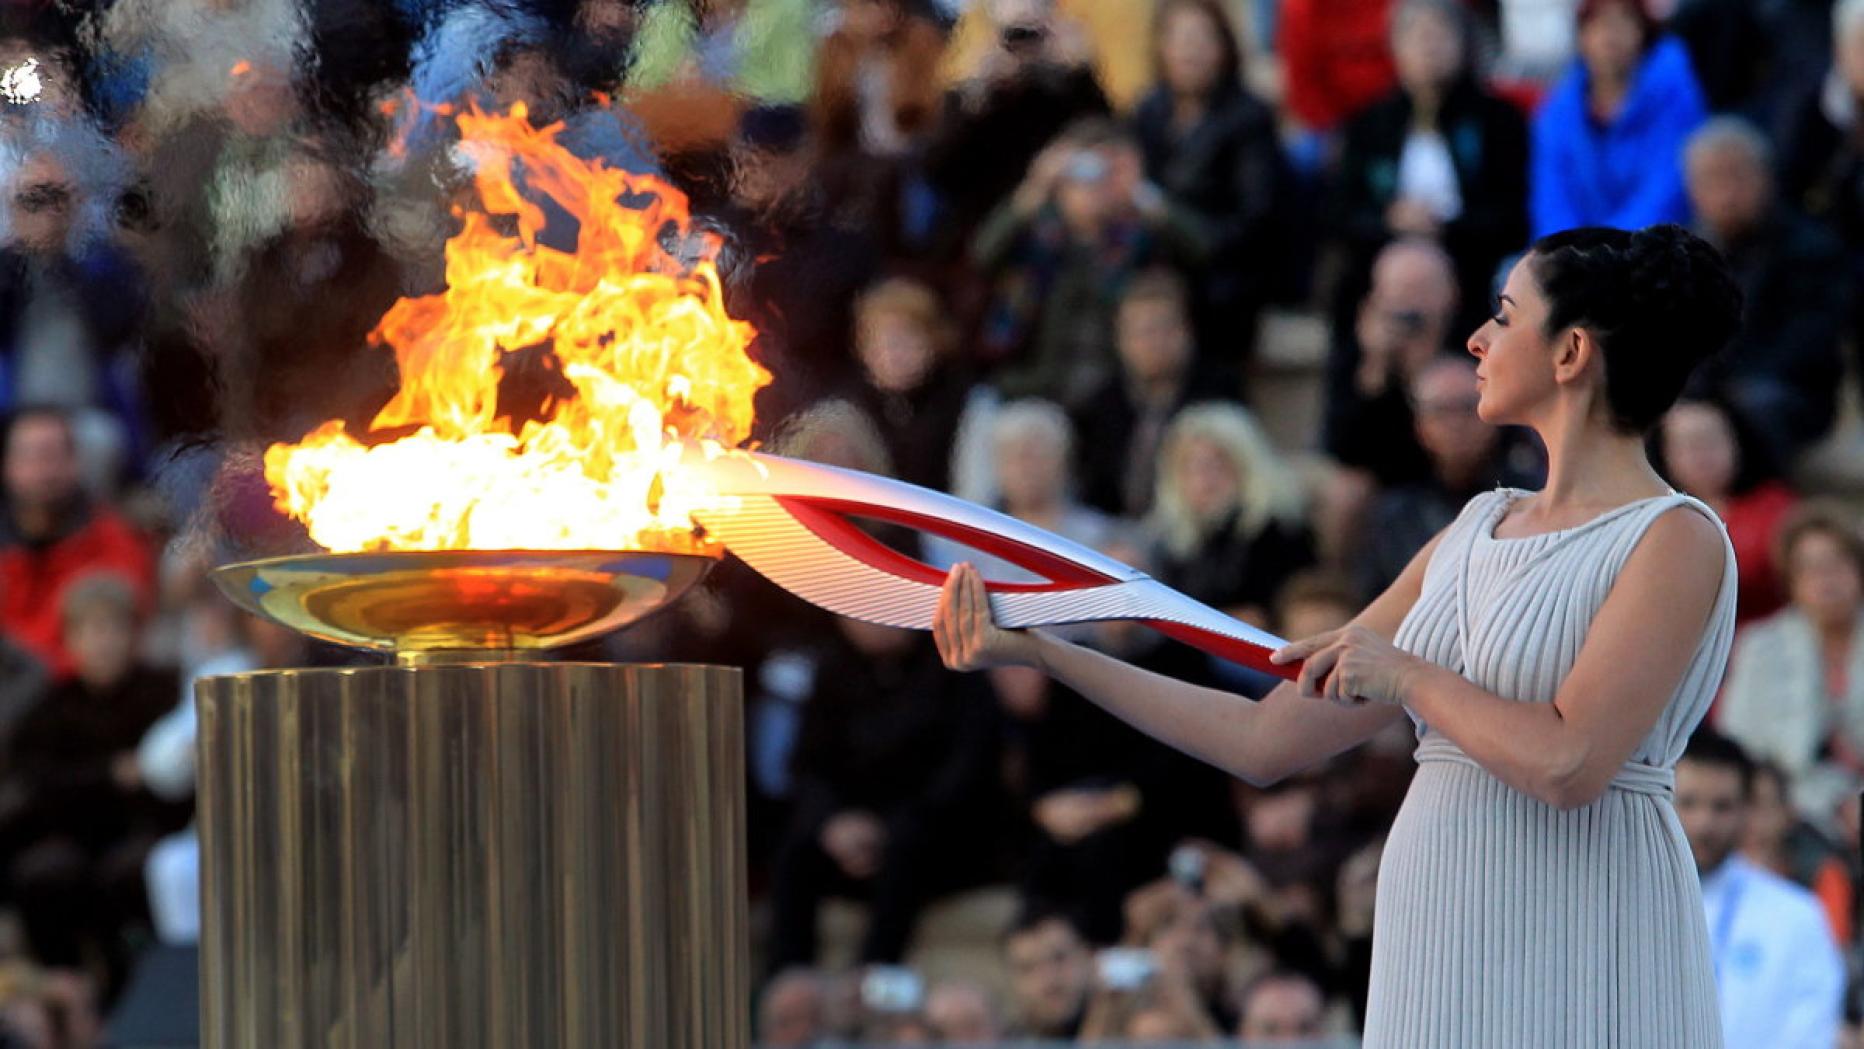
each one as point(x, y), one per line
point(968, 637)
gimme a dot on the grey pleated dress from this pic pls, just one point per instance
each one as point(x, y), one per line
point(1501, 921)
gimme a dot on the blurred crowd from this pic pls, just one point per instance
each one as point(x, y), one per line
point(1061, 257)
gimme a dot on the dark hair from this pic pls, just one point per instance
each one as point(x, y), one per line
point(1157, 285)
point(1588, 9)
point(1709, 747)
point(1658, 301)
point(1229, 70)
point(1754, 461)
point(1036, 914)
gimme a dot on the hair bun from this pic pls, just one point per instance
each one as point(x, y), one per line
point(1683, 280)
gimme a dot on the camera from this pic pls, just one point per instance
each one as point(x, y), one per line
point(1187, 867)
point(1087, 166)
point(892, 989)
point(1125, 968)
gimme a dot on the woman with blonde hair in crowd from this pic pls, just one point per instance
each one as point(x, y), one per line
point(1229, 516)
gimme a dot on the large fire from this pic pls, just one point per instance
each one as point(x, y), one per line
point(635, 322)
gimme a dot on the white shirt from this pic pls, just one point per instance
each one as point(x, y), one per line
point(1779, 975)
point(1427, 173)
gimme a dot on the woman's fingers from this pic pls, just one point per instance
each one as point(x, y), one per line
point(1312, 678)
point(1305, 647)
point(941, 619)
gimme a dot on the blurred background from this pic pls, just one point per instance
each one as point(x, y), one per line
point(1184, 280)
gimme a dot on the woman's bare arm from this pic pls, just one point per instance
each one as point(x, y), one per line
point(1259, 741)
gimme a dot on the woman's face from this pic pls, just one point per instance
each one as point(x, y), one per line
point(1612, 41)
point(1699, 449)
point(1822, 579)
point(1515, 375)
point(896, 351)
point(1209, 479)
point(1032, 470)
point(1428, 51)
point(1190, 56)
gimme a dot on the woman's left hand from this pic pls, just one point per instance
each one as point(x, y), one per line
point(1351, 665)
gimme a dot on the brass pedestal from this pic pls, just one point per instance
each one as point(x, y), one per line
point(473, 856)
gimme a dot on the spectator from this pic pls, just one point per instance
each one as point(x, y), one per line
point(1439, 158)
point(790, 1012)
point(79, 820)
point(1795, 688)
point(915, 389)
point(1779, 840)
point(1336, 58)
point(1282, 1008)
point(1031, 80)
point(1098, 32)
point(1122, 424)
point(1159, 1008)
point(1407, 318)
point(1706, 447)
point(1051, 974)
point(1212, 147)
point(53, 533)
point(963, 1014)
point(1778, 973)
point(1228, 516)
point(892, 771)
point(1034, 446)
point(1466, 456)
point(1783, 368)
point(1059, 251)
point(1608, 142)
point(876, 79)
point(763, 50)
point(1186, 934)
point(1822, 145)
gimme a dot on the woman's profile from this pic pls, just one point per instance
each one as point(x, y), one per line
point(1553, 651)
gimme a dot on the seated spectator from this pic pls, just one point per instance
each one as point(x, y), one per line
point(1707, 448)
point(1779, 840)
point(79, 820)
point(1059, 251)
point(1439, 158)
point(1121, 425)
point(1034, 447)
point(1783, 368)
point(763, 50)
point(1282, 1008)
point(1212, 147)
point(790, 1011)
point(962, 1014)
point(1051, 974)
point(1778, 973)
point(1795, 688)
point(1607, 144)
point(1407, 318)
point(1336, 58)
point(1028, 77)
point(877, 97)
point(893, 776)
point(52, 534)
point(804, 264)
point(915, 389)
point(1189, 938)
point(1466, 457)
point(1228, 516)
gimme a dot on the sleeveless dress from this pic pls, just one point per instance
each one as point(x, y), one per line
point(1503, 922)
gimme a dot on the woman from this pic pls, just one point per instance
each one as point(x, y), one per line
point(1554, 650)
point(1211, 147)
point(1795, 692)
point(1227, 515)
point(1438, 158)
point(1608, 143)
point(911, 383)
point(1708, 450)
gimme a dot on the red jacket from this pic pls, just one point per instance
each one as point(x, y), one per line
point(1336, 58)
point(33, 580)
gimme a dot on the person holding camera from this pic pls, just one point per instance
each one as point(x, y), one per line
point(1552, 650)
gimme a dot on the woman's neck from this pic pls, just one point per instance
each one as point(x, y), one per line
point(1426, 105)
point(1835, 633)
point(1189, 107)
point(1042, 515)
point(1608, 94)
point(1591, 466)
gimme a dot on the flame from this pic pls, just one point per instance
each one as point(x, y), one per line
point(633, 320)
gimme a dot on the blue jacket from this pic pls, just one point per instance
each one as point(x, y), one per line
point(1628, 173)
